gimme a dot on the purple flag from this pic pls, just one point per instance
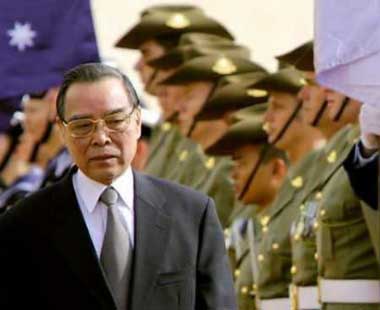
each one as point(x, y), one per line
point(40, 40)
point(347, 47)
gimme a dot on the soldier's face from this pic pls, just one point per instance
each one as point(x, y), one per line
point(103, 155)
point(194, 97)
point(313, 96)
point(280, 108)
point(245, 159)
point(36, 112)
point(335, 102)
point(169, 96)
point(149, 51)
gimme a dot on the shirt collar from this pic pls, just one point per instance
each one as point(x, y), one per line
point(90, 190)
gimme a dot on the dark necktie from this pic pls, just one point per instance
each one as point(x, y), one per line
point(115, 256)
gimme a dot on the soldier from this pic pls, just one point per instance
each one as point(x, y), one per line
point(288, 132)
point(164, 142)
point(199, 78)
point(258, 172)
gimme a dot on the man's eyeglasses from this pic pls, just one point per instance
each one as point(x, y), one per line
point(82, 128)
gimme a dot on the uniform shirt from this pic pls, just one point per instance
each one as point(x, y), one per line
point(94, 212)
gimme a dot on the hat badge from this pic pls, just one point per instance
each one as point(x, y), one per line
point(256, 93)
point(178, 21)
point(224, 66)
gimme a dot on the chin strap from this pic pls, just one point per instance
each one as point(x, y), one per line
point(151, 79)
point(344, 104)
point(319, 115)
point(253, 173)
point(289, 122)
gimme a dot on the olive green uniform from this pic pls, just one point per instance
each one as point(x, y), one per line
point(273, 254)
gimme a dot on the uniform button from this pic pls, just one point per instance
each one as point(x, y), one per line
point(244, 290)
point(297, 237)
point(316, 256)
point(302, 207)
point(319, 195)
point(316, 225)
point(293, 270)
point(323, 212)
point(275, 246)
point(265, 229)
point(237, 273)
point(260, 257)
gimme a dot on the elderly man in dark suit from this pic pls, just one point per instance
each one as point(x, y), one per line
point(106, 237)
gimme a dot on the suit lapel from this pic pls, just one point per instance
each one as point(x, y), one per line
point(151, 235)
point(72, 239)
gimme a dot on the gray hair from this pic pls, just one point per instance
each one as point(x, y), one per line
point(92, 72)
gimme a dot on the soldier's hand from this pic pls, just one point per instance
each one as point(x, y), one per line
point(370, 128)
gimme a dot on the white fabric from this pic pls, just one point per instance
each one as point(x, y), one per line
point(274, 304)
point(308, 298)
point(370, 126)
point(347, 47)
point(350, 291)
point(94, 212)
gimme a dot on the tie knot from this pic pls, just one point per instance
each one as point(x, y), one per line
point(109, 196)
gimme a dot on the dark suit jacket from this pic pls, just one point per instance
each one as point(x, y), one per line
point(364, 180)
point(47, 259)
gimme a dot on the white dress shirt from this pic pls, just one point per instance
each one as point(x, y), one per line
point(94, 212)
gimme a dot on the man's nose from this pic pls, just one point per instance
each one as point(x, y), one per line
point(101, 135)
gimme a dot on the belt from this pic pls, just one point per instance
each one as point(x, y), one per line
point(274, 304)
point(349, 291)
point(304, 297)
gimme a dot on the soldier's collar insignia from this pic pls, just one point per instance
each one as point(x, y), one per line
point(210, 163)
point(264, 220)
point(178, 21)
point(297, 182)
point(257, 93)
point(224, 66)
point(331, 158)
point(183, 155)
point(166, 126)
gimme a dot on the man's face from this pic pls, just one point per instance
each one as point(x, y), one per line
point(149, 51)
point(104, 155)
point(245, 159)
point(281, 107)
point(36, 112)
point(335, 102)
point(313, 96)
point(194, 97)
point(167, 95)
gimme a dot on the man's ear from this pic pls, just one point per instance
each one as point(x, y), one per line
point(138, 121)
point(61, 127)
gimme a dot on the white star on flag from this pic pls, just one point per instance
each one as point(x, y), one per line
point(22, 36)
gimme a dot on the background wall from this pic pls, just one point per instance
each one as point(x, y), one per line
point(267, 27)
